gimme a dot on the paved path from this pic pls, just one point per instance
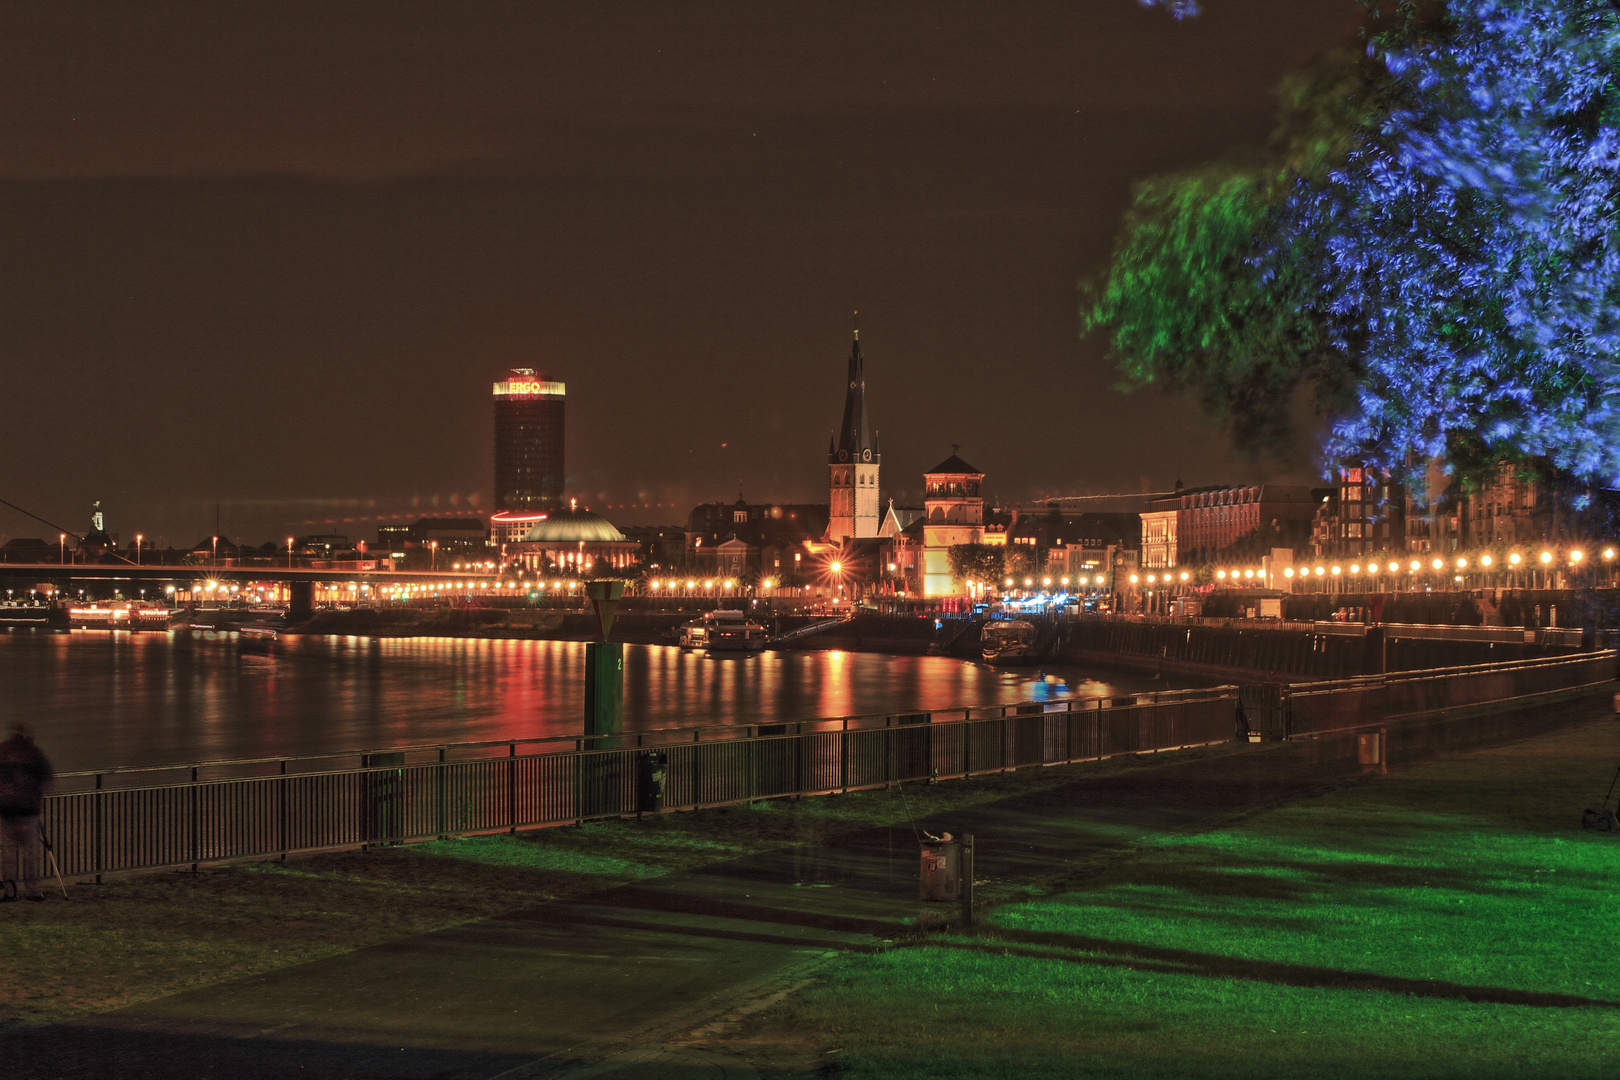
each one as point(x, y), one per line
point(601, 987)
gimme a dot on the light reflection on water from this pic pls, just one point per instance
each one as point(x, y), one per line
point(100, 700)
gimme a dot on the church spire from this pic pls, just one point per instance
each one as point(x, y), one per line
point(855, 441)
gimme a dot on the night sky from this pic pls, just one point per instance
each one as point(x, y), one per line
point(271, 256)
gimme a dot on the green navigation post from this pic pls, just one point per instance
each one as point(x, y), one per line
point(604, 664)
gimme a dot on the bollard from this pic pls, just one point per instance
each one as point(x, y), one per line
point(967, 879)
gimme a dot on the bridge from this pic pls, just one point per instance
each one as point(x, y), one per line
point(120, 572)
point(300, 582)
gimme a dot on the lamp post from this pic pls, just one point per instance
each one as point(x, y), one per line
point(138, 539)
point(289, 552)
point(61, 549)
point(216, 551)
point(434, 558)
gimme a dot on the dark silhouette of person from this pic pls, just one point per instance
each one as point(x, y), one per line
point(25, 773)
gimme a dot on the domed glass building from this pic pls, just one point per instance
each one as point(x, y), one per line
point(574, 540)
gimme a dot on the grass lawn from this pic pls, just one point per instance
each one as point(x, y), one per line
point(139, 938)
point(1449, 920)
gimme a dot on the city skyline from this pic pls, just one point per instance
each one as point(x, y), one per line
point(254, 273)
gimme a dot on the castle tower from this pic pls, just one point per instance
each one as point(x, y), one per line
point(954, 515)
point(852, 460)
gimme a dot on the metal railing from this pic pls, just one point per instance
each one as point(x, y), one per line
point(1546, 635)
point(150, 818)
point(1345, 704)
point(135, 819)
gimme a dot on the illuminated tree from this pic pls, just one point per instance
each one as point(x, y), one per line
point(976, 562)
point(1428, 248)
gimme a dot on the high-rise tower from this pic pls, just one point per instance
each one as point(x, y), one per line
point(852, 459)
point(528, 443)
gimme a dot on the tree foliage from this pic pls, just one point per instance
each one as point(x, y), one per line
point(975, 562)
point(1428, 247)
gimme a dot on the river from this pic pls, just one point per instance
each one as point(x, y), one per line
point(101, 700)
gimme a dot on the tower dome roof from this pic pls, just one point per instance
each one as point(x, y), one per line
point(571, 525)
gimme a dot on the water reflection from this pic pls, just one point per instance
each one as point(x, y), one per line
point(101, 699)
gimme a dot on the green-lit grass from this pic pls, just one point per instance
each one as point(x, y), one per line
point(1450, 921)
point(140, 938)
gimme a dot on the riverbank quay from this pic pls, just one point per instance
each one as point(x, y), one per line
point(861, 632)
point(697, 956)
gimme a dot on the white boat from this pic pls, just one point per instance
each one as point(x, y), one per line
point(697, 633)
point(256, 637)
point(1010, 641)
point(734, 635)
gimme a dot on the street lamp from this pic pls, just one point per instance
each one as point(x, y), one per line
point(216, 551)
point(138, 539)
point(434, 557)
point(61, 549)
point(289, 552)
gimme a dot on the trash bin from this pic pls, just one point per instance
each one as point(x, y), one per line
point(650, 791)
point(384, 798)
point(940, 874)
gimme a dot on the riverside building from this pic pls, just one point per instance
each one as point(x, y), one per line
point(529, 464)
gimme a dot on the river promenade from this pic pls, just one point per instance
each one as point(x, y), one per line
point(659, 977)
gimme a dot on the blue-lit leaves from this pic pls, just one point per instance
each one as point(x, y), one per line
point(1432, 248)
point(1470, 261)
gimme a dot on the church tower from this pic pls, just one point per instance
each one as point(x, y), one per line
point(852, 459)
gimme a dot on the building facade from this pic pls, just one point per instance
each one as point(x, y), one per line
point(766, 540)
point(852, 462)
point(529, 461)
point(576, 542)
point(1214, 522)
point(1159, 539)
point(953, 513)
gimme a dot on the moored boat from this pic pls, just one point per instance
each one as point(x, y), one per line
point(696, 634)
point(738, 636)
point(1009, 641)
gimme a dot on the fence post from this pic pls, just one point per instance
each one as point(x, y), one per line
point(843, 758)
point(697, 768)
point(281, 789)
point(444, 798)
point(511, 787)
point(1097, 741)
point(97, 861)
point(196, 823)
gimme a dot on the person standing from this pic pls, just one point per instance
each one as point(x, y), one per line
point(25, 773)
